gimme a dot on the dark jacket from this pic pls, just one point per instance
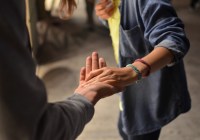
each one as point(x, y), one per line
point(25, 113)
point(161, 97)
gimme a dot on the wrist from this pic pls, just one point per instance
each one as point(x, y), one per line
point(91, 95)
point(143, 67)
point(130, 74)
point(136, 71)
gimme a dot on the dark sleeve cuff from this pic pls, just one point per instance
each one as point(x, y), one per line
point(86, 104)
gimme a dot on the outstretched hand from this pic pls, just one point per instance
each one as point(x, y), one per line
point(96, 70)
point(94, 89)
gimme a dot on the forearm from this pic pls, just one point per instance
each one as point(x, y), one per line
point(65, 120)
point(157, 59)
point(77, 111)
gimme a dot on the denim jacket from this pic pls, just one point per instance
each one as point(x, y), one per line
point(161, 97)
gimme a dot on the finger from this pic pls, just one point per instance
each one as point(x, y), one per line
point(102, 63)
point(95, 61)
point(110, 10)
point(94, 74)
point(106, 13)
point(104, 16)
point(88, 65)
point(102, 7)
point(82, 75)
point(109, 4)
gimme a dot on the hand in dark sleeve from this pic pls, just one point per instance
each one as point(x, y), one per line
point(22, 95)
point(23, 104)
point(65, 120)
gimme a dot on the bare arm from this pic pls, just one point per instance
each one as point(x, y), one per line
point(157, 59)
point(121, 77)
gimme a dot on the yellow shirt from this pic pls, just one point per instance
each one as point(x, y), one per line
point(114, 23)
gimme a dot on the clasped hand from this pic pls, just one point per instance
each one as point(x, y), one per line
point(98, 81)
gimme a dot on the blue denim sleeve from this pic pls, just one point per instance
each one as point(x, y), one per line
point(164, 28)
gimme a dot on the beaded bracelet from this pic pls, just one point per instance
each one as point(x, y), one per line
point(139, 74)
point(145, 63)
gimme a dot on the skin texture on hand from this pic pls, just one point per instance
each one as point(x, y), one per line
point(94, 90)
point(118, 77)
point(104, 9)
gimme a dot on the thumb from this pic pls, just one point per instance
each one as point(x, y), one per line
point(82, 75)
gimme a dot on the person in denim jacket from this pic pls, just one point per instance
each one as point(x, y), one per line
point(152, 44)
